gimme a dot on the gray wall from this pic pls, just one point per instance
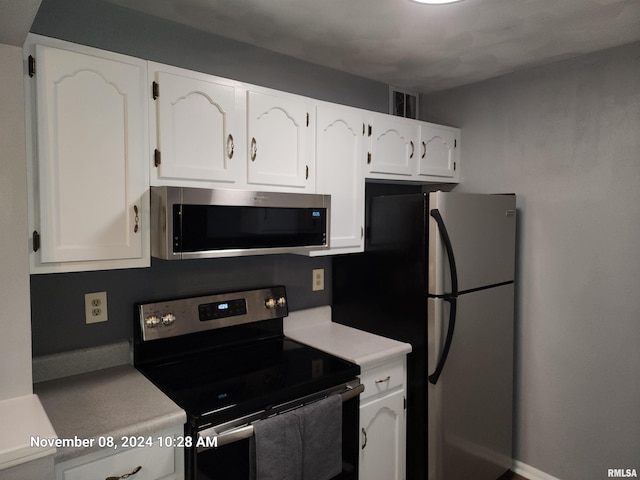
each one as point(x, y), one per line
point(565, 137)
point(57, 300)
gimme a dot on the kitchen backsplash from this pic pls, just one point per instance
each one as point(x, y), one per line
point(57, 300)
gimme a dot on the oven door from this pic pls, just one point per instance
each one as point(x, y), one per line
point(225, 451)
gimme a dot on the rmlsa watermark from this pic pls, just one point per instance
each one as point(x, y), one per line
point(622, 473)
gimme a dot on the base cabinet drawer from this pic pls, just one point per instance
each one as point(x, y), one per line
point(155, 462)
point(382, 379)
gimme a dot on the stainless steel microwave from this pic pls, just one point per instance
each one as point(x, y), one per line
point(203, 223)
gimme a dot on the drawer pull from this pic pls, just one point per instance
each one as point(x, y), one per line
point(126, 475)
point(384, 380)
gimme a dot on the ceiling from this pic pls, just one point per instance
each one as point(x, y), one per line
point(422, 48)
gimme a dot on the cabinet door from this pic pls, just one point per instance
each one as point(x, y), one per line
point(394, 145)
point(339, 173)
point(382, 438)
point(92, 174)
point(278, 141)
point(438, 149)
point(196, 127)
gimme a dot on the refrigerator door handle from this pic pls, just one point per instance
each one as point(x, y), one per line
point(433, 378)
point(451, 298)
point(442, 228)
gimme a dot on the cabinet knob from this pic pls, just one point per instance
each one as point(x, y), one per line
point(254, 149)
point(126, 475)
point(364, 438)
point(384, 380)
point(413, 149)
point(424, 149)
point(230, 146)
point(136, 218)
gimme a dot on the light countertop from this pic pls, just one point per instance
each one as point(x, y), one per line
point(21, 418)
point(117, 401)
point(314, 327)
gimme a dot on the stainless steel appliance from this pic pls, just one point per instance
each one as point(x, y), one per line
point(202, 223)
point(224, 359)
point(438, 272)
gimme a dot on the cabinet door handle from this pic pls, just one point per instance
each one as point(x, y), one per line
point(413, 149)
point(384, 380)
point(364, 439)
point(136, 227)
point(230, 146)
point(126, 475)
point(254, 149)
point(424, 149)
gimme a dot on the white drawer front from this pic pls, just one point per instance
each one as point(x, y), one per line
point(382, 379)
point(156, 462)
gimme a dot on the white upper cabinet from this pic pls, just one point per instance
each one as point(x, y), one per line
point(406, 150)
point(393, 147)
point(438, 151)
point(197, 120)
point(340, 161)
point(89, 201)
point(280, 141)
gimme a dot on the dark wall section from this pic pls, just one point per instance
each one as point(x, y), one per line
point(57, 300)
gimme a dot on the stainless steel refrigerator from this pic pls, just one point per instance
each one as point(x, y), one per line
point(438, 272)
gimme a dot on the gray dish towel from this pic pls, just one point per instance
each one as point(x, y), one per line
point(278, 448)
point(304, 444)
point(321, 426)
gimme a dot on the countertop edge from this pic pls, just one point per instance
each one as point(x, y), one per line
point(24, 417)
point(55, 395)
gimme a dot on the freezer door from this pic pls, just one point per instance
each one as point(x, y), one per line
point(470, 408)
point(482, 231)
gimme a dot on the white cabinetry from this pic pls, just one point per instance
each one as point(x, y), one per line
point(155, 461)
point(393, 148)
point(407, 150)
point(340, 159)
point(280, 141)
point(439, 152)
point(89, 200)
point(196, 128)
point(383, 422)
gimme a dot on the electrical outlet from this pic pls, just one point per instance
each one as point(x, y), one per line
point(95, 307)
point(318, 279)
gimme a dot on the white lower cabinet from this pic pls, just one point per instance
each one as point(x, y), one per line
point(155, 462)
point(383, 422)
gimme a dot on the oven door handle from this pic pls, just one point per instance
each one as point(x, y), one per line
point(211, 438)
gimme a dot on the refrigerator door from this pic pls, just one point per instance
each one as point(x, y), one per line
point(470, 408)
point(482, 233)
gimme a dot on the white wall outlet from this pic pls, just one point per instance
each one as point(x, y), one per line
point(318, 279)
point(95, 307)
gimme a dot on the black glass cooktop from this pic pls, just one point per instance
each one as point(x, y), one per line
point(227, 383)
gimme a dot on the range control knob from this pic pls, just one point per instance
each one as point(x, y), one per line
point(168, 319)
point(270, 303)
point(281, 302)
point(151, 321)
